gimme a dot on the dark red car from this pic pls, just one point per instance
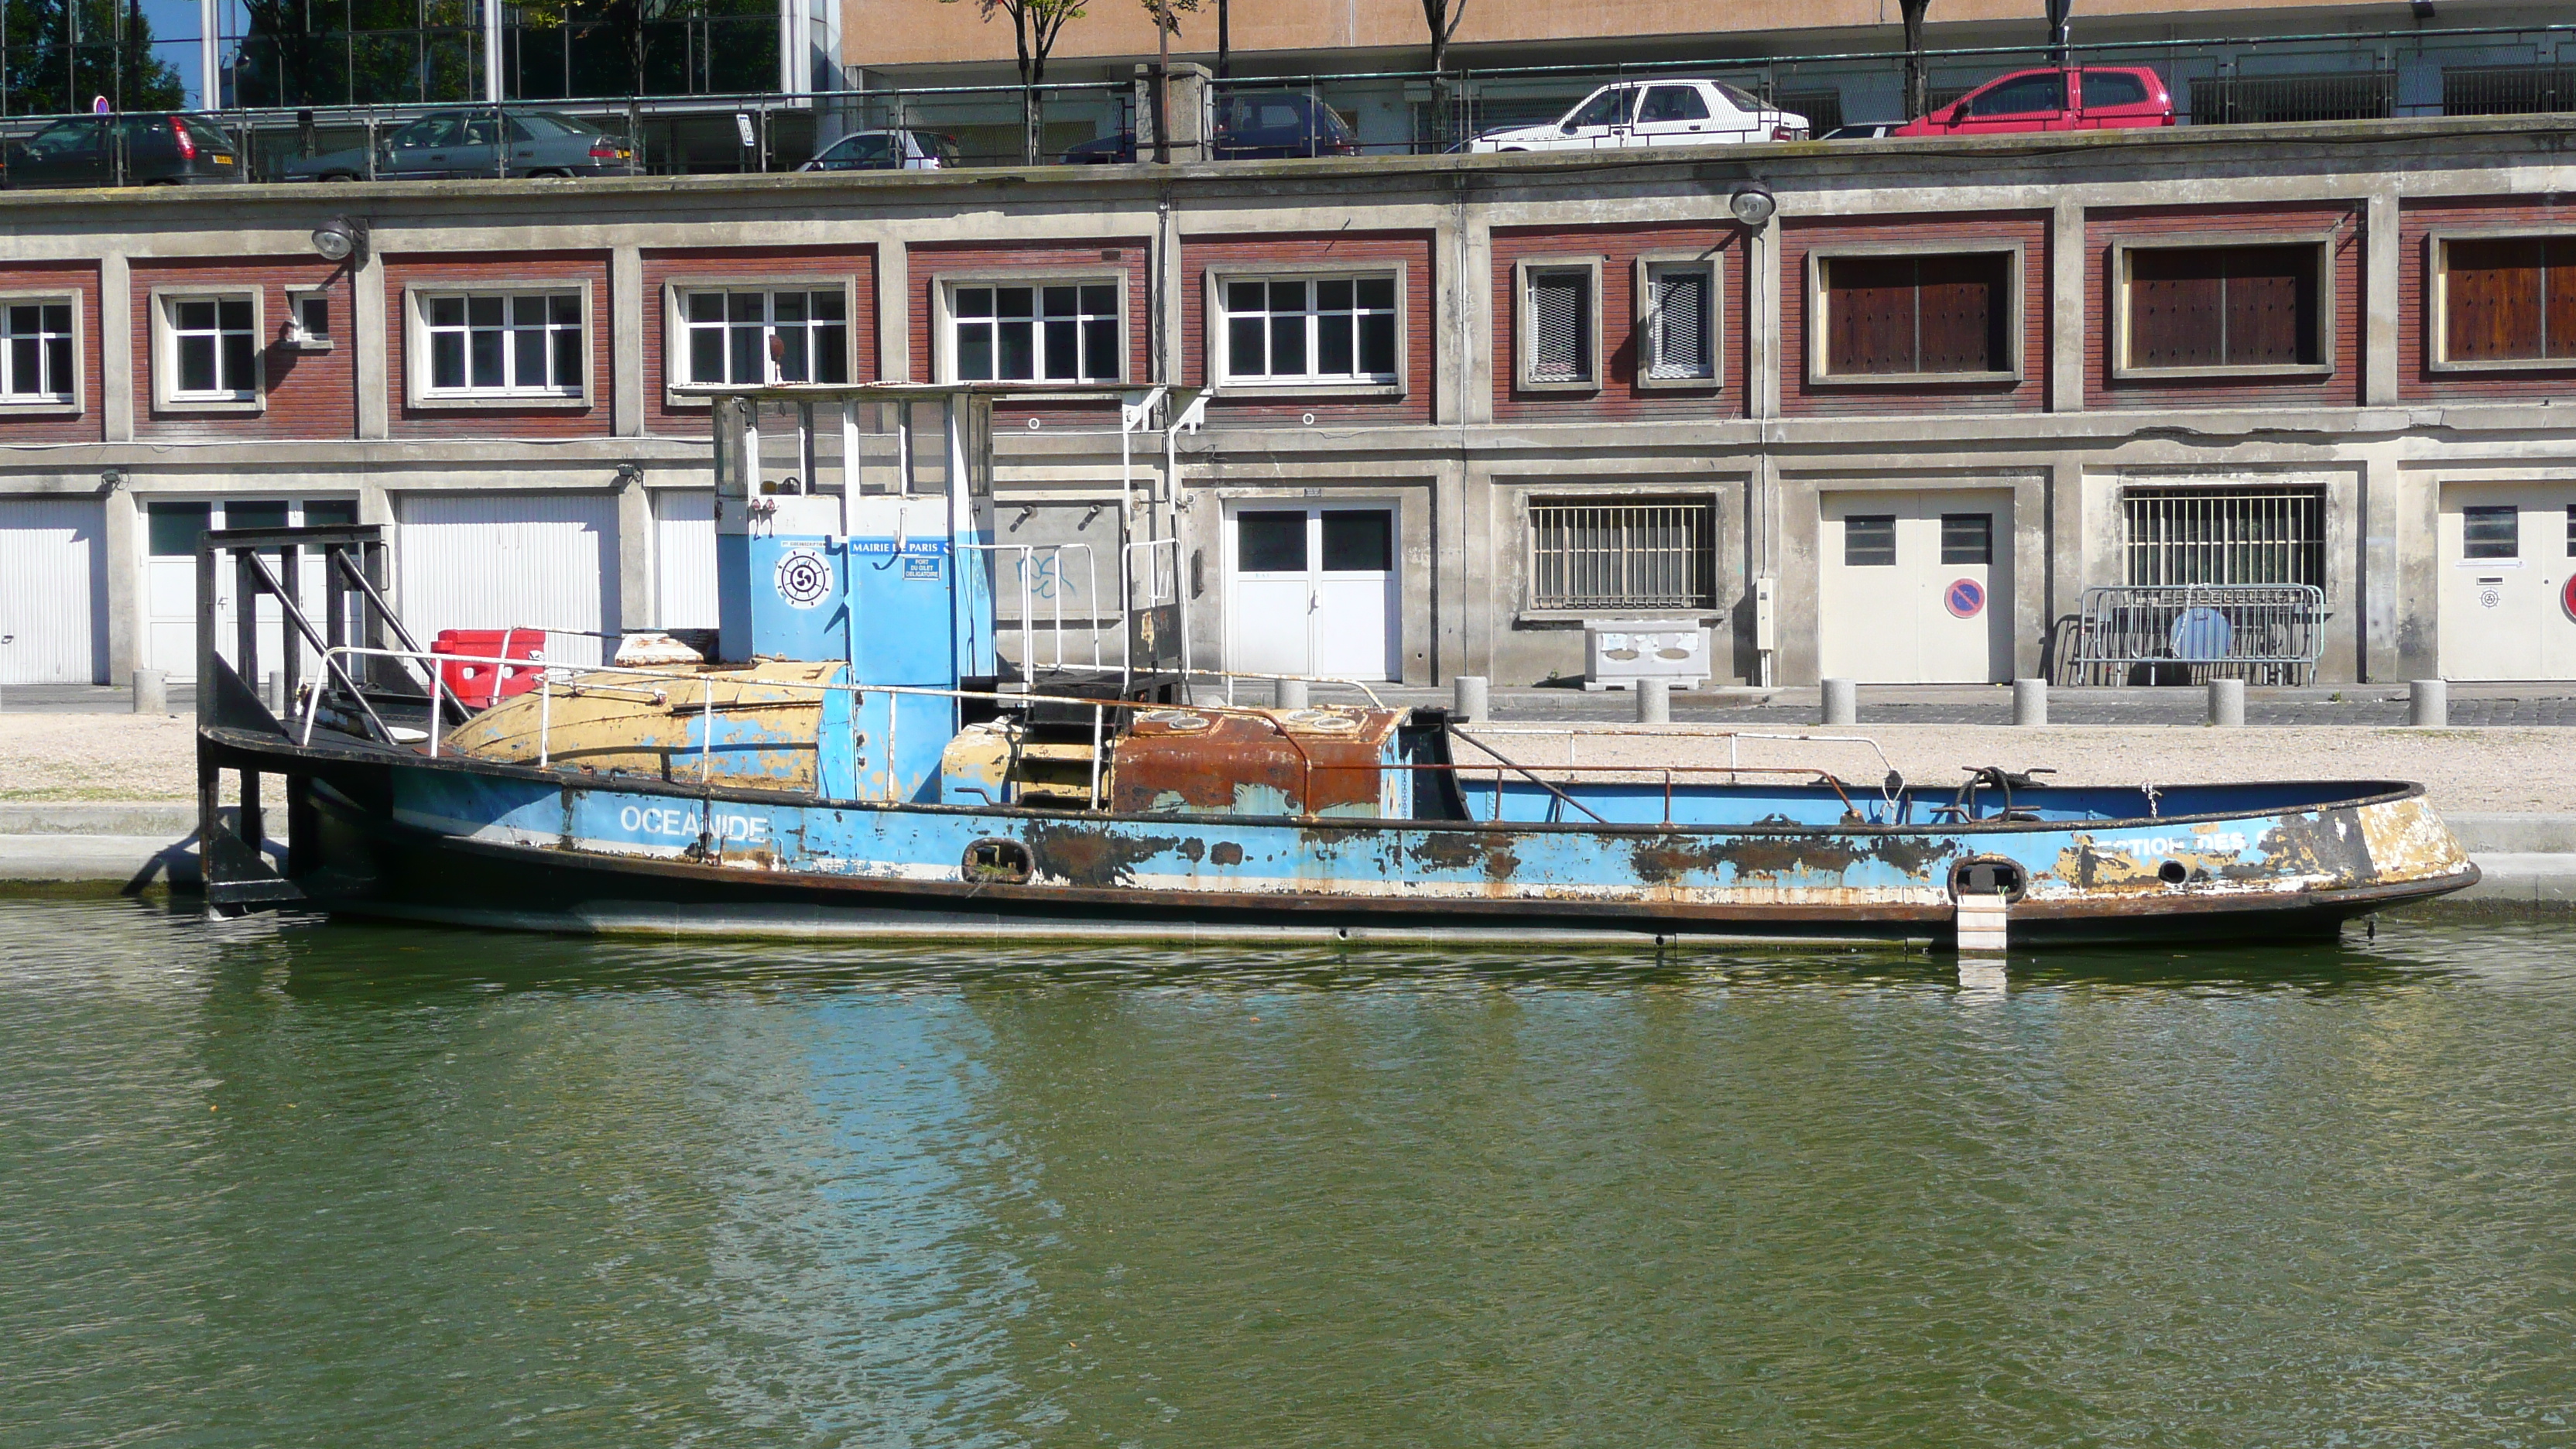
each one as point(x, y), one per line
point(2094, 98)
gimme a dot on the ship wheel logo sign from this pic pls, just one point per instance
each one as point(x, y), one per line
point(803, 577)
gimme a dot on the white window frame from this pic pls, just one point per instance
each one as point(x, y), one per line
point(1219, 334)
point(419, 379)
point(1525, 333)
point(943, 291)
point(1649, 264)
point(298, 338)
point(66, 404)
point(166, 396)
point(2322, 241)
point(1818, 325)
point(679, 390)
point(2437, 299)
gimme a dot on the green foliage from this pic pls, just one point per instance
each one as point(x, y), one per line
point(62, 53)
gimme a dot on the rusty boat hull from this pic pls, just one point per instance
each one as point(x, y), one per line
point(472, 842)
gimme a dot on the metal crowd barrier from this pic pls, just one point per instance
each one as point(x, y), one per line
point(2190, 633)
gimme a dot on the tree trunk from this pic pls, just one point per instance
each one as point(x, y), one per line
point(1918, 89)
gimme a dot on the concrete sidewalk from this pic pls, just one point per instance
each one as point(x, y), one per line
point(2527, 858)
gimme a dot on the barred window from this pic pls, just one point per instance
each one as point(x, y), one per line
point(1869, 541)
point(1558, 329)
point(1324, 329)
point(1650, 553)
point(1967, 538)
point(214, 348)
point(754, 338)
point(2226, 535)
point(1678, 339)
point(36, 351)
point(2491, 532)
point(1059, 332)
point(509, 345)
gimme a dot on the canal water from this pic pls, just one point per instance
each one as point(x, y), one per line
point(293, 1184)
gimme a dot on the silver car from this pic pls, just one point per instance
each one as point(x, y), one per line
point(1654, 113)
point(888, 150)
point(457, 144)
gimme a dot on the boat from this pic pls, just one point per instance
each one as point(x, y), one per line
point(854, 752)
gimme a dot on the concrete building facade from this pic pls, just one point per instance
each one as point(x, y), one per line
point(1459, 405)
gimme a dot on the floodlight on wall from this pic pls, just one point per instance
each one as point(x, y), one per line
point(112, 478)
point(2423, 9)
point(1753, 205)
point(340, 238)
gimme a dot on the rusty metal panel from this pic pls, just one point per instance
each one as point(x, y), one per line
point(1265, 762)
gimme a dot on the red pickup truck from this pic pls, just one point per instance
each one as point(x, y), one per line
point(2094, 98)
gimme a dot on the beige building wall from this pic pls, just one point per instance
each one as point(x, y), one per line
point(915, 33)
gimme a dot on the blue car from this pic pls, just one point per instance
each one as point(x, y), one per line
point(1250, 126)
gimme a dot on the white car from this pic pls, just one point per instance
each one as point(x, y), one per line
point(1654, 113)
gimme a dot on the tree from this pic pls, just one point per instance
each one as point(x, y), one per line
point(63, 53)
point(1035, 24)
point(1918, 88)
point(1442, 16)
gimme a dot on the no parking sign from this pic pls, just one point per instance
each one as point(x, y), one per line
point(1965, 598)
point(2567, 597)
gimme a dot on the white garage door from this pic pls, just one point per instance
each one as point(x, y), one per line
point(2508, 580)
point(1915, 588)
point(53, 591)
point(511, 561)
point(684, 558)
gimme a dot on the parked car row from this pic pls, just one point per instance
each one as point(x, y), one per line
point(174, 149)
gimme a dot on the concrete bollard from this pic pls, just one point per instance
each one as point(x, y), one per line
point(151, 692)
point(2227, 703)
point(1841, 701)
point(1467, 695)
point(2030, 702)
point(1654, 701)
point(1291, 693)
point(2428, 702)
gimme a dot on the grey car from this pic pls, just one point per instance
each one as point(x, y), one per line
point(476, 143)
point(886, 151)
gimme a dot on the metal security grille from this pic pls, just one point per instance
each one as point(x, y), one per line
point(2507, 90)
point(1677, 330)
point(2238, 100)
point(1560, 332)
point(2226, 536)
point(1633, 554)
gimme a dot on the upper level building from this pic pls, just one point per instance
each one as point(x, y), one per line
point(1455, 405)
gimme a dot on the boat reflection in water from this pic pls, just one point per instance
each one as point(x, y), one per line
point(852, 752)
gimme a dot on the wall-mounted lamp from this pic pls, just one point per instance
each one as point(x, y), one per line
point(340, 239)
point(628, 472)
point(1753, 205)
point(2423, 9)
point(113, 478)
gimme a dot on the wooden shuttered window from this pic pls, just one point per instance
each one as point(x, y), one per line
point(2245, 306)
point(1901, 316)
point(2509, 299)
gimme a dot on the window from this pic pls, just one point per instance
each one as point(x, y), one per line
point(1358, 540)
point(1672, 103)
point(525, 344)
point(1645, 553)
point(1889, 318)
point(1610, 108)
point(1053, 332)
point(2571, 530)
point(1869, 541)
point(1270, 541)
point(1319, 330)
point(2022, 96)
point(38, 361)
point(208, 352)
point(754, 338)
point(2204, 308)
point(1560, 339)
point(2226, 535)
point(2491, 532)
point(2112, 88)
point(1677, 322)
point(308, 315)
point(1967, 538)
point(2508, 300)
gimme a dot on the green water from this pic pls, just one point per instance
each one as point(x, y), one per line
point(292, 1184)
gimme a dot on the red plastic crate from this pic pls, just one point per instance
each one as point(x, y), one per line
point(473, 678)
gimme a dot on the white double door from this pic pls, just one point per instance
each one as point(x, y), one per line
point(2508, 581)
point(170, 530)
point(1915, 588)
point(1312, 590)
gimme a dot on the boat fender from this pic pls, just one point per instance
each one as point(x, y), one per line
point(1989, 875)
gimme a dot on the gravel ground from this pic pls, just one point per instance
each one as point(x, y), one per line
point(126, 757)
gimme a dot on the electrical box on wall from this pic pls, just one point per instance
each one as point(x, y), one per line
point(1619, 652)
point(1766, 626)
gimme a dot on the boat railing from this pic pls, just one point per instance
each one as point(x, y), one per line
point(654, 685)
point(1029, 554)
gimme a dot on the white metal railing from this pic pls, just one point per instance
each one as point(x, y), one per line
point(1028, 553)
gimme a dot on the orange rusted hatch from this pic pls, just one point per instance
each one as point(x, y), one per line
point(1331, 761)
